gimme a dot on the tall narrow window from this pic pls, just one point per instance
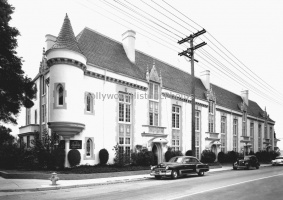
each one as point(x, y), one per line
point(235, 134)
point(153, 104)
point(259, 137)
point(125, 136)
point(244, 133)
point(265, 131)
point(28, 116)
point(35, 116)
point(175, 117)
point(60, 95)
point(197, 144)
point(43, 85)
point(211, 108)
point(89, 103)
point(270, 134)
point(252, 136)
point(211, 124)
point(197, 135)
point(223, 133)
point(197, 120)
point(43, 107)
point(88, 147)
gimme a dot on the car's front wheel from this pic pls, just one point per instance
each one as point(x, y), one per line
point(201, 173)
point(158, 177)
point(257, 167)
point(174, 174)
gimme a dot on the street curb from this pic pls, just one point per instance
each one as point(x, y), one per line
point(73, 186)
point(93, 184)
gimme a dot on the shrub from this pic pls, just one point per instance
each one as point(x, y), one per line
point(222, 157)
point(103, 156)
point(208, 156)
point(10, 156)
point(232, 156)
point(189, 153)
point(121, 158)
point(170, 154)
point(142, 158)
point(74, 157)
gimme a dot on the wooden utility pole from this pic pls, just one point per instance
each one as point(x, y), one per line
point(190, 54)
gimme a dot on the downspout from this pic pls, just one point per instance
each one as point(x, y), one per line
point(40, 102)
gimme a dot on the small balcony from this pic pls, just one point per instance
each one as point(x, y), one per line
point(266, 141)
point(31, 128)
point(153, 131)
point(246, 139)
point(212, 136)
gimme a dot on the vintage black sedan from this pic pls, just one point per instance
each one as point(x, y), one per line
point(179, 166)
point(246, 163)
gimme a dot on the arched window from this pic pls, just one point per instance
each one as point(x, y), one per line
point(60, 95)
point(88, 147)
point(88, 103)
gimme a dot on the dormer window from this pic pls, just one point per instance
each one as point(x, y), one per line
point(153, 104)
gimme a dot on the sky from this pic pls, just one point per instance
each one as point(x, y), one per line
point(244, 39)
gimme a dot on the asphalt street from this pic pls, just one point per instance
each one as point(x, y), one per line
point(265, 183)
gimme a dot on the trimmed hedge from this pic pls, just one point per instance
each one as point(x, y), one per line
point(207, 156)
point(74, 157)
point(142, 158)
point(103, 156)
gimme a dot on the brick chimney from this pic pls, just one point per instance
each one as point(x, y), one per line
point(245, 96)
point(205, 79)
point(50, 40)
point(128, 39)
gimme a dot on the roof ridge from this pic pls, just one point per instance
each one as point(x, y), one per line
point(154, 58)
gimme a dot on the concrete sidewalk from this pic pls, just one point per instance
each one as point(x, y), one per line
point(21, 185)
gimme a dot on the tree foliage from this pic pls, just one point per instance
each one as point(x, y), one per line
point(5, 136)
point(16, 89)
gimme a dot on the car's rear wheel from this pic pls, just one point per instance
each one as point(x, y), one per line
point(174, 174)
point(201, 173)
point(234, 168)
point(158, 177)
point(257, 167)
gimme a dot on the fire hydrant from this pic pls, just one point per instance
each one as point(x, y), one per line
point(54, 178)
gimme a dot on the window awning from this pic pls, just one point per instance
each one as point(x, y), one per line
point(160, 140)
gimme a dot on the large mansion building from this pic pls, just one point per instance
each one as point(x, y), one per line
point(95, 92)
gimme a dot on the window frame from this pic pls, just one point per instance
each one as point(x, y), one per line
point(176, 117)
point(91, 103)
point(56, 95)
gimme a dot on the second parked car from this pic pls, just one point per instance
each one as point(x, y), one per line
point(246, 163)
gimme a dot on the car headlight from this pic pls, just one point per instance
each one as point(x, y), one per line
point(152, 167)
point(167, 167)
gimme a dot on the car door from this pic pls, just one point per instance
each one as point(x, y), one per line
point(193, 163)
point(186, 166)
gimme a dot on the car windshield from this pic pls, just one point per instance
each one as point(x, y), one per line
point(176, 159)
point(279, 157)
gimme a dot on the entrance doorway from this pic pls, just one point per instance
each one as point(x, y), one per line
point(155, 154)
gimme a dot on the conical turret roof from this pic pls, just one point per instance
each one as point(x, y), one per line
point(66, 38)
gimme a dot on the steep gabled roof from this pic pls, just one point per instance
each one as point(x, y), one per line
point(109, 54)
point(66, 38)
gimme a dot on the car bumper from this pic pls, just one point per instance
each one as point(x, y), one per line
point(277, 163)
point(161, 173)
